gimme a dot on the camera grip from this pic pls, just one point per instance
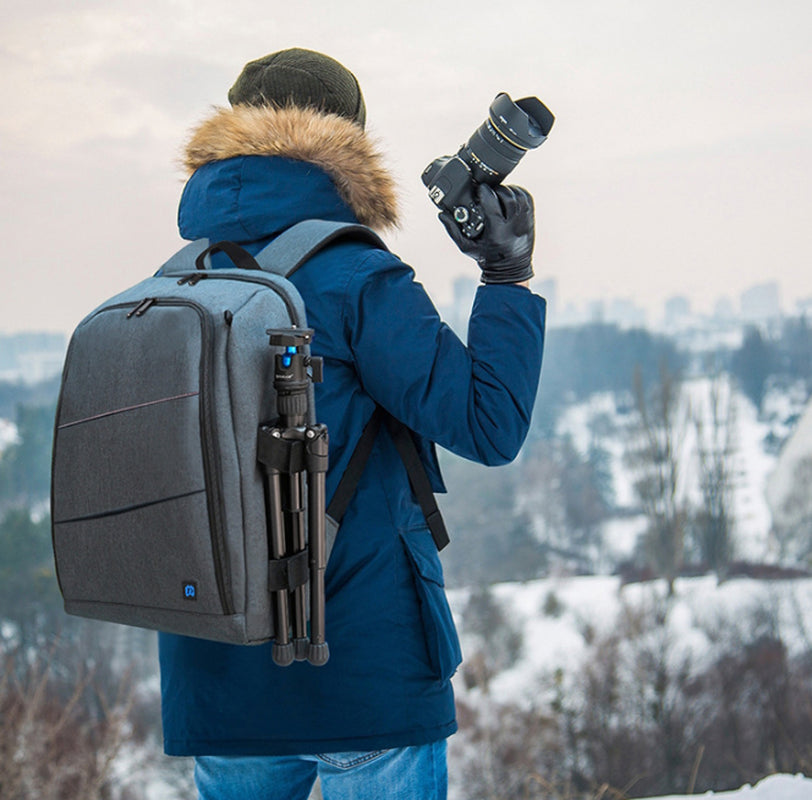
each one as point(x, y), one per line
point(504, 250)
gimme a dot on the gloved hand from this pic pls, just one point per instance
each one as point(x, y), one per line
point(504, 249)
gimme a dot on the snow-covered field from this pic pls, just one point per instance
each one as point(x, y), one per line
point(559, 617)
point(755, 440)
point(774, 787)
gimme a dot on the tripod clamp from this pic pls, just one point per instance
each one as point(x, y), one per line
point(293, 453)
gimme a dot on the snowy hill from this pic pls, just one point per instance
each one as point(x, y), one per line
point(787, 489)
point(563, 667)
point(602, 420)
point(559, 618)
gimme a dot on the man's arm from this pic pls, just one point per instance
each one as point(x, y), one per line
point(474, 400)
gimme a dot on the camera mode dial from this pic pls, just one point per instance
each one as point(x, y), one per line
point(470, 219)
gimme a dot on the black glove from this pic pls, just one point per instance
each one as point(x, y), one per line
point(504, 249)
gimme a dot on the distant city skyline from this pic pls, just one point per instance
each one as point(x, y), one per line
point(32, 356)
point(679, 164)
point(758, 303)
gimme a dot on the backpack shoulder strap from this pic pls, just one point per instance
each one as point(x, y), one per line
point(285, 254)
point(184, 259)
point(419, 480)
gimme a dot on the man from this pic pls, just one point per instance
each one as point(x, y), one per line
point(372, 722)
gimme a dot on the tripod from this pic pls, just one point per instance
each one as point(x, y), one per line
point(293, 455)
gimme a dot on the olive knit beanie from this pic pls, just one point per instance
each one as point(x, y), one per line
point(301, 77)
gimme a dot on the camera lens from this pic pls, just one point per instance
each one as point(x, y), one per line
point(509, 132)
point(487, 157)
point(524, 123)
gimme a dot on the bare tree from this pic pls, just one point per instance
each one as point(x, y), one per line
point(58, 739)
point(494, 640)
point(655, 454)
point(792, 525)
point(715, 424)
point(562, 495)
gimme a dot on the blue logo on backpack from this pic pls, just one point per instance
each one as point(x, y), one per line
point(190, 590)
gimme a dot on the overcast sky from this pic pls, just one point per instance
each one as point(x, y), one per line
point(680, 161)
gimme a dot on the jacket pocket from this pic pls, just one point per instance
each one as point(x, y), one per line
point(442, 641)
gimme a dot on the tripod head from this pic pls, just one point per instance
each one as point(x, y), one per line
point(289, 337)
point(293, 372)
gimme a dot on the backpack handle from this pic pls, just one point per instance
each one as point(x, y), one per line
point(239, 256)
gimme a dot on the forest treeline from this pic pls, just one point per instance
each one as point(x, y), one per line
point(601, 357)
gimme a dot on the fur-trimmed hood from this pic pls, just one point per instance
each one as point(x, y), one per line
point(339, 147)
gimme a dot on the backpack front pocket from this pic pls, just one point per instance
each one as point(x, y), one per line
point(135, 490)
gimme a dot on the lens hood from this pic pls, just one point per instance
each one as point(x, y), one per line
point(524, 123)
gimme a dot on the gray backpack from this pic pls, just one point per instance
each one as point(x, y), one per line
point(158, 501)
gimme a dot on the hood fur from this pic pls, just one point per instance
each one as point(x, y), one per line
point(339, 147)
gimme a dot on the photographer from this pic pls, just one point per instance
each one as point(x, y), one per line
point(373, 721)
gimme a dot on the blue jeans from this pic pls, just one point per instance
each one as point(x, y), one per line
point(406, 773)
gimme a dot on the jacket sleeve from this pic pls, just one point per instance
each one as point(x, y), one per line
point(475, 401)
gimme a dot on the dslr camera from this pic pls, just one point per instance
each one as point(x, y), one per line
point(495, 148)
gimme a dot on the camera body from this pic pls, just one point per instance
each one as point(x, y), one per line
point(494, 149)
point(451, 187)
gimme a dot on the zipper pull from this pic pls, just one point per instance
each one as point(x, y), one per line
point(192, 280)
point(143, 307)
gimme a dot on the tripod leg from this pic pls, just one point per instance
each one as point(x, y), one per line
point(282, 647)
point(297, 542)
point(317, 447)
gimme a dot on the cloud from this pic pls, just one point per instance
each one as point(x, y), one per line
point(682, 130)
point(178, 84)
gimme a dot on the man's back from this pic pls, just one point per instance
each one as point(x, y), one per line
point(393, 646)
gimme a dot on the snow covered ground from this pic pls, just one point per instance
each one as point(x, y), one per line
point(755, 441)
point(8, 433)
point(559, 617)
point(774, 787)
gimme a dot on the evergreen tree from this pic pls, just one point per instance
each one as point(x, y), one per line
point(796, 350)
point(579, 362)
point(25, 467)
point(599, 461)
point(28, 590)
point(752, 364)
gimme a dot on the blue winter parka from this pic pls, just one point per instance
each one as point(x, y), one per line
point(393, 646)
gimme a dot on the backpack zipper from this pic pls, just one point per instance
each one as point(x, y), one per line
point(142, 307)
point(192, 280)
point(252, 276)
point(211, 455)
